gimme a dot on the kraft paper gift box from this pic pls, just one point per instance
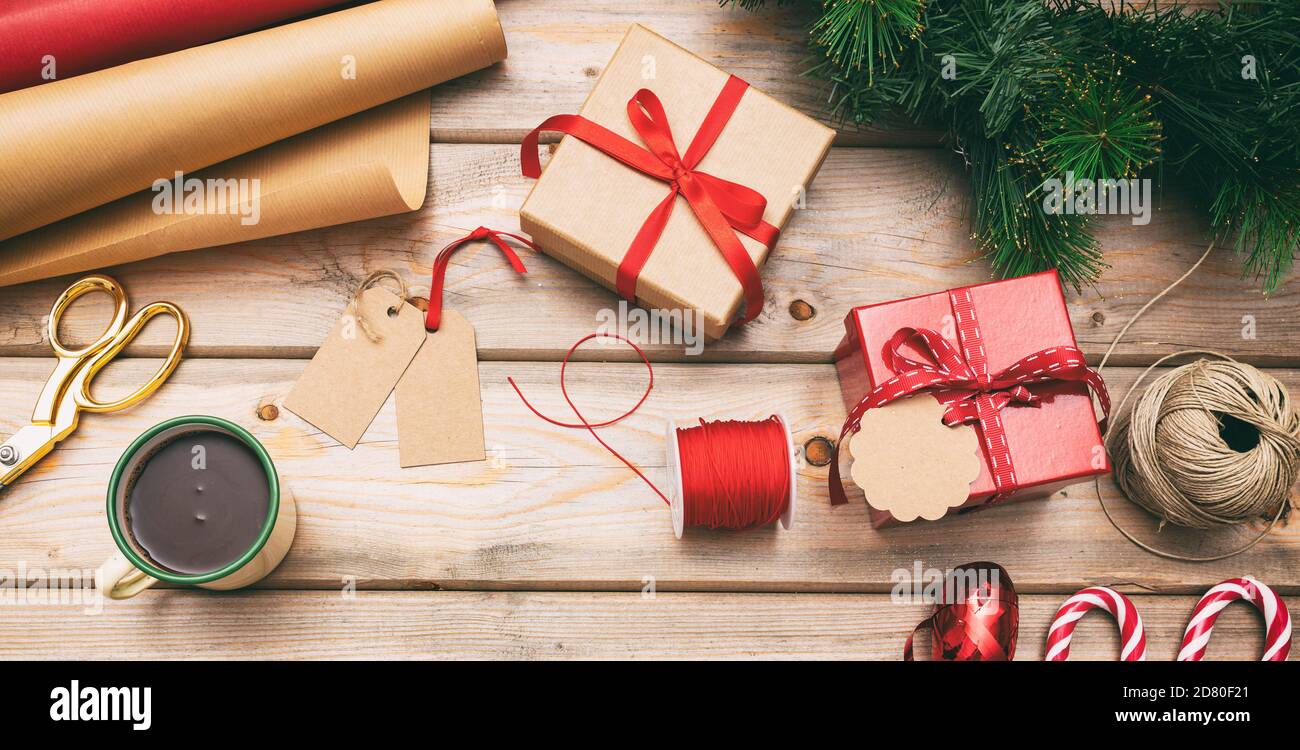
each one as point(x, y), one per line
point(1052, 445)
point(587, 207)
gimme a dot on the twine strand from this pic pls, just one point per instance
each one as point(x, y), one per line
point(354, 305)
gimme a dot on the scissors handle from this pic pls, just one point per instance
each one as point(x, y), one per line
point(80, 288)
point(124, 336)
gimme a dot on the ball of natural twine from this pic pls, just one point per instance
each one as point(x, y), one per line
point(1208, 444)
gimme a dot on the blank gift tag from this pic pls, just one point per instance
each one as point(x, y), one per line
point(909, 463)
point(348, 380)
point(439, 408)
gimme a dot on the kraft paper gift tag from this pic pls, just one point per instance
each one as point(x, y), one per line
point(909, 463)
point(349, 379)
point(439, 407)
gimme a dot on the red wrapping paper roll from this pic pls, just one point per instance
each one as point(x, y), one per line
point(88, 35)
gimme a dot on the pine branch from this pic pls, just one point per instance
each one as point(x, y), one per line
point(1010, 226)
point(1030, 89)
point(1226, 86)
point(1098, 125)
point(857, 32)
point(757, 4)
point(1263, 224)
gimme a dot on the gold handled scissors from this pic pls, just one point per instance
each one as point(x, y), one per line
point(67, 393)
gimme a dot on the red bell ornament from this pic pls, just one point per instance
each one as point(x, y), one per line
point(976, 620)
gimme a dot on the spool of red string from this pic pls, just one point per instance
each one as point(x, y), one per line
point(727, 474)
point(731, 474)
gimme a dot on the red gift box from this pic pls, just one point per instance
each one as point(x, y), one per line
point(1052, 442)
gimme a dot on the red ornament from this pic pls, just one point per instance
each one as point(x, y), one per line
point(978, 618)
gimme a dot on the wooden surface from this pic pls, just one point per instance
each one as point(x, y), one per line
point(532, 625)
point(550, 509)
point(880, 224)
point(543, 550)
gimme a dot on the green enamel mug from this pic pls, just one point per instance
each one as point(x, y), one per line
point(133, 569)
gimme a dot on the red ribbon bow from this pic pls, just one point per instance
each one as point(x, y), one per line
point(433, 318)
point(979, 624)
point(722, 207)
point(962, 381)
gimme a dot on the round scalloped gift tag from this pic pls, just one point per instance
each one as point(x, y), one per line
point(909, 463)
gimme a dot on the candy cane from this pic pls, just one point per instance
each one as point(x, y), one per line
point(1097, 597)
point(1277, 620)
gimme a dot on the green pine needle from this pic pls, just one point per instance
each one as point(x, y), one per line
point(871, 32)
point(1010, 227)
point(1098, 126)
point(1263, 224)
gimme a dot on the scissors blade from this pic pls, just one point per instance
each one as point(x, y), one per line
point(20, 452)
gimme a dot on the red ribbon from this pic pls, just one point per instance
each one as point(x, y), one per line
point(722, 207)
point(962, 381)
point(433, 318)
point(978, 623)
point(960, 640)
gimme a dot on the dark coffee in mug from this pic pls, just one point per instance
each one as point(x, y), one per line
point(198, 502)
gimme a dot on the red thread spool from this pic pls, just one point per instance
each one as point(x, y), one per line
point(731, 474)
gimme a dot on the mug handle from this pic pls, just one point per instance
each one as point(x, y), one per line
point(119, 579)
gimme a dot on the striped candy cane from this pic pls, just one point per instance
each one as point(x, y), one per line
point(1097, 597)
point(1277, 620)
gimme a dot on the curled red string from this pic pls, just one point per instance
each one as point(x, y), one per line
point(433, 318)
point(722, 207)
point(582, 420)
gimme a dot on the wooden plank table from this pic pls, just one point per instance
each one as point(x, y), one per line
point(548, 549)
